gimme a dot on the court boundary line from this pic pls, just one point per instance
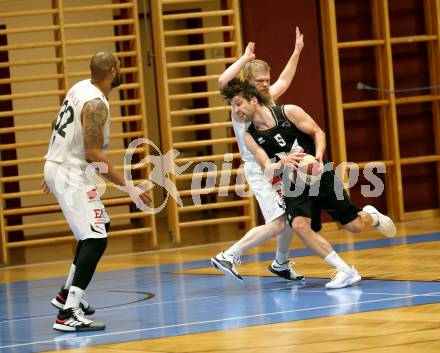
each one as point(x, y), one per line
point(290, 286)
point(219, 320)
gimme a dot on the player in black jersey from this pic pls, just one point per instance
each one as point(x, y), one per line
point(274, 131)
point(267, 193)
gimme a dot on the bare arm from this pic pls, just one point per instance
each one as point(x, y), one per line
point(286, 77)
point(232, 71)
point(306, 124)
point(93, 116)
point(270, 168)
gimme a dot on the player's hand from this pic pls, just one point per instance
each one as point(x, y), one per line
point(299, 42)
point(293, 159)
point(249, 53)
point(139, 197)
point(44, 187)
point(146, 198)
point(319, 159)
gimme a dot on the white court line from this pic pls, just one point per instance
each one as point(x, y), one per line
point(129, 306)
point(213, 321)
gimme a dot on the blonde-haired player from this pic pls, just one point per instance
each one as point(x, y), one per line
point(257, 72)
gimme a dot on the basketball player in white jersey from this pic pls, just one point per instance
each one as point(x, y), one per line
point(80, 137)
point(268, 195)
point(272, 134)
point(257, 72)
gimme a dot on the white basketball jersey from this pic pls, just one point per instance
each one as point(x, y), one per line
point(67, 142)
point(240, 131)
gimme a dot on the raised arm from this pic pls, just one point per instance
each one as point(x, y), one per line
point(93, 116)
point(232, 71)
point(306, 124)
point(286, 77)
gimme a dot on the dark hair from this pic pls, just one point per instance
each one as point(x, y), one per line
point(101, 63)
point(237, 87)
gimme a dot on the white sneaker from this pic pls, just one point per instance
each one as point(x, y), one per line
point(285, 270)
point(343, 278)
point(71, 319)
point(226, 264)
point(385, 224)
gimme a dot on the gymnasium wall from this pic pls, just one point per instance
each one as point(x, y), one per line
point(47, 85)
point(275, 41)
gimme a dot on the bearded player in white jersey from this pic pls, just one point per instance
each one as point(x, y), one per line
point(80, 137)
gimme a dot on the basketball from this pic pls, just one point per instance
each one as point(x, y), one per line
point(309, 170)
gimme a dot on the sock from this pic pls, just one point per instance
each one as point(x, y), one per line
point(334, 260)
point(74, 297)
point(283, 247)
point(375, 218)
point(281, 257)
point(234, 250)
point(70, 277)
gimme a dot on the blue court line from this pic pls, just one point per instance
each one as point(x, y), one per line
point(188, 324)
point(228, 310)
point(181, 302)
point(154, 270)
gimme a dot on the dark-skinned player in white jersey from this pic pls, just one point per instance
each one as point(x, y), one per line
point(80, 137)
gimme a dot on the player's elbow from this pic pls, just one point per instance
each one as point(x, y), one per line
point(320, 134)
point(93, 155)
point(222, 83)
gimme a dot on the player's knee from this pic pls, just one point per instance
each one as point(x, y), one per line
point(301, 226)
point(278, 225)
point(92, 250)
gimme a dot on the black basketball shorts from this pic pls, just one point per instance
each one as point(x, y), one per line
point(309, 204)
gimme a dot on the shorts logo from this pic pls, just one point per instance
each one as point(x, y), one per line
point(98, 214)
point(92, 194)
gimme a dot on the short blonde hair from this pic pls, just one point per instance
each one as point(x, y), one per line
point(254, 66)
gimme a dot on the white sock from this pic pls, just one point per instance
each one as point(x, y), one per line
point(334, 260)
point(234, 250)
point(374, 216)
point(74, 297)
point(282, 257)
point(70, 277)
point(283, 247)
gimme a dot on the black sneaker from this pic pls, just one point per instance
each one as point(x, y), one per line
point(59, 301)
point(226, 264)
point(284, 270)
point(73, 320)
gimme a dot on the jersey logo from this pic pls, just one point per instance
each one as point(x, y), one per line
point(286, 124)
point(261, 140)
point(95, 230)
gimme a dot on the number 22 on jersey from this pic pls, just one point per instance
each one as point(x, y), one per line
point(65, 117)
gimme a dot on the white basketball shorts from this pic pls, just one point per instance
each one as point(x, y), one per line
point(78, 197)
point(270, 201)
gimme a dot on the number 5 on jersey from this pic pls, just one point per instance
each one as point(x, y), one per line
point(278, 138)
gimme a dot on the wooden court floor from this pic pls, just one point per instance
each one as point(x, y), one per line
point(355, 320)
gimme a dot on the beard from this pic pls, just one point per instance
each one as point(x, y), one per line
point(117, 81)
point(266, 97)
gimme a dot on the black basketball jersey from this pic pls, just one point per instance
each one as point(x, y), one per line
point(281, 138)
